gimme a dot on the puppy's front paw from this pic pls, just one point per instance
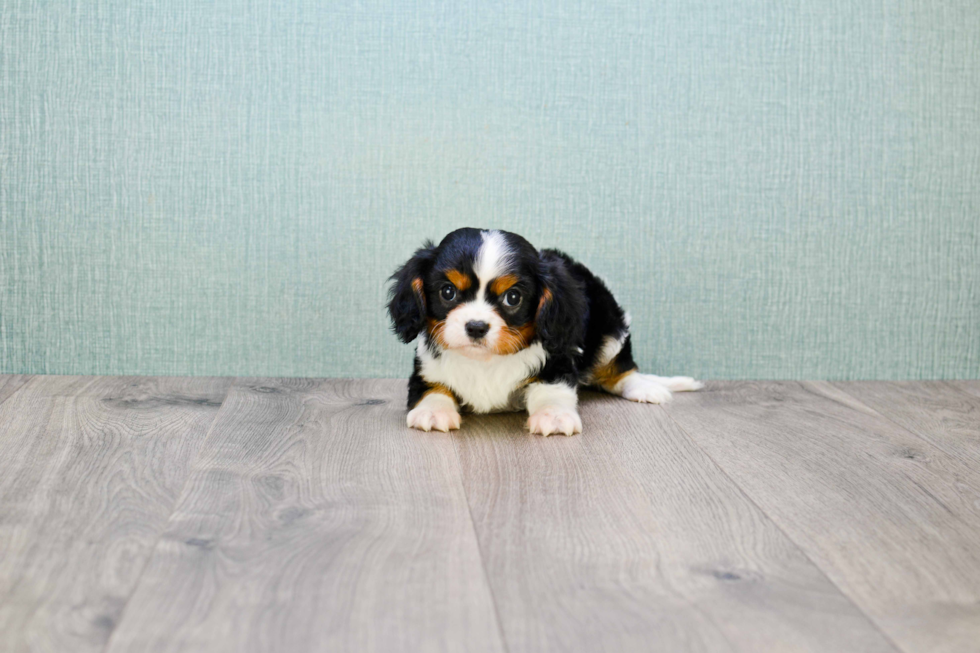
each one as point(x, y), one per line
point(644, 389)
point(433, 418)
point(555, 419)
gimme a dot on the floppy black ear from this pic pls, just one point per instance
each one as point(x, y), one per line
point(562, 309)
point(406, 298)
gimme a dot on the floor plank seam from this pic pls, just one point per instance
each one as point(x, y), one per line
point(180, 495)
point(631, 534)
point(479, 547)
point(778, 526)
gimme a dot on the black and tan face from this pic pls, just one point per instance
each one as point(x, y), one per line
point(481, 293)
point(478, 292)
point(484, 292)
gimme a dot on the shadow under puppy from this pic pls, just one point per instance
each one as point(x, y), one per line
point(503, 327)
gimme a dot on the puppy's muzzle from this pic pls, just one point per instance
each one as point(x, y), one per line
point(476, 330)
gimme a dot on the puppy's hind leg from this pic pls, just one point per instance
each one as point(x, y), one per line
point(647, 388)
point(618, 375)
point(676, 383)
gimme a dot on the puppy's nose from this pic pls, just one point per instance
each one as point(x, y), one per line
point(476, 330)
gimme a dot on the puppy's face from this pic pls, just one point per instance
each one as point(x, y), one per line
point(481, 293)
point(485, 292)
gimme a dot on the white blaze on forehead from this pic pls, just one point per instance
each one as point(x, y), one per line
point(492, 260)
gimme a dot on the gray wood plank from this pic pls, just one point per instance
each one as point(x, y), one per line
point(90, 469)
point(891, 519)
point(969, 387)
point(316, 521)
point(11, 383)
point(628, 538)
point(936, 411)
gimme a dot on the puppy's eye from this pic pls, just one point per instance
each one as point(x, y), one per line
point(448, 292)
point(512, 298)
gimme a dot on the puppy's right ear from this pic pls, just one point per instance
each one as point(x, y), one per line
point(406, 298)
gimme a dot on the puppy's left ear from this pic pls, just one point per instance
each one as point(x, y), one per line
point(562, 309)
point(406, 298)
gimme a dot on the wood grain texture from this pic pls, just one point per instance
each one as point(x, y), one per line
point(969, 387)
point(629, 538)
point(893, 520)
point(936, 411)
point(314, 520)
point(10, 383)
point(303, 516)
point(90, 469)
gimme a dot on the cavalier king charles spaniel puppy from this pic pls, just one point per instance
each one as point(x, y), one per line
point(503, 327)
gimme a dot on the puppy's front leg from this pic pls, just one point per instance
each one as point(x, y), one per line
point(435, 412)
point(432, 406)
point(552, 408)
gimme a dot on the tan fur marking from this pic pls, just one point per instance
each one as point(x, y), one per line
point(606, 377)
point(435, 328)
point(460, 280)
point(441, 389)
point(501, 284)
point(514, 339)
point(546, 297)
point(417, 287)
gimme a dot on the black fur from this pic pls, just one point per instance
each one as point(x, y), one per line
point(605, 317)
point(407, 307)
point(572, 310)
point(561, 321)
point(417, 386)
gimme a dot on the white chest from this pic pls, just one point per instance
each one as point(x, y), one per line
point(488, 386)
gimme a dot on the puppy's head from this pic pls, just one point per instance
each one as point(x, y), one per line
point(483, 293)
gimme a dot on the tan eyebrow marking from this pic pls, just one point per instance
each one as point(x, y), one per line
point(501, 284)
point(460, 280)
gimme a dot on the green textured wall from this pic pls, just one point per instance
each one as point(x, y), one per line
point(774, 189)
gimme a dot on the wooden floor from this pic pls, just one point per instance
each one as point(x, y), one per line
point(195, 514)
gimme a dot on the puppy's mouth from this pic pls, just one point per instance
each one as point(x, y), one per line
point(480, 350)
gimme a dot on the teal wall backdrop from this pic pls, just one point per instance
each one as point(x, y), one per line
point(773, 188)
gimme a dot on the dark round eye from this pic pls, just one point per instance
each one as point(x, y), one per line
point(448, 292)
point(512, 298)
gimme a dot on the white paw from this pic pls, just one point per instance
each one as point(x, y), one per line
point(555, 419)
point(433, 418)
point(645, 389)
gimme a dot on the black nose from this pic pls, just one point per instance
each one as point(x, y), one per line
point(476, 330)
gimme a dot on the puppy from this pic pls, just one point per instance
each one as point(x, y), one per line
point(504, 327)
